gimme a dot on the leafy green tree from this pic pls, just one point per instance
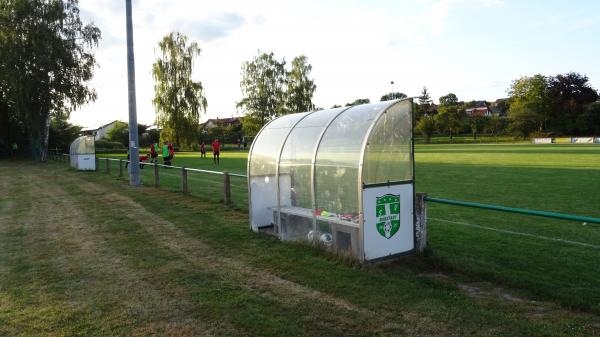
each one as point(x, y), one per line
point(119, 133)
point(300, 87)
point(263, 89)
point(46, 61)
point(152, 136)
point(529, 105)
point(392, 95)
point(426, 126)
point(449, 118)
point(359, 102)
point(449, 100)
point(216, 132)
point(591, 116)
point(501, 106)
point(62, 133)
point(477, 123)
point(178, 99)
point(495, 125)
point(569, 94)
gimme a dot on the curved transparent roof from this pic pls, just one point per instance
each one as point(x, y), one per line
point(320, 160)
point(83, 145)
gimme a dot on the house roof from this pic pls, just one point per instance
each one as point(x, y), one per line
point(152, 127)
point(228, 120)
point(98, 128)
point(482, 109)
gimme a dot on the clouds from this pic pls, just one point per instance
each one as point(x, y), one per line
point(470, 47)
point(215, 26)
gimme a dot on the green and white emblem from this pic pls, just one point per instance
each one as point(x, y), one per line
point(388, 215)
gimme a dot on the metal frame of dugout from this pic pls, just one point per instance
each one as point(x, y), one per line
point(342, 178)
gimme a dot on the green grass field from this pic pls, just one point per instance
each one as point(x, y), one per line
point(86, 255)
point(553, 259)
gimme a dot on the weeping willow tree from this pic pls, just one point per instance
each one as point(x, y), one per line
point(177, 98)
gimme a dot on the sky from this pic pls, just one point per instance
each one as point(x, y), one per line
point(473, 48)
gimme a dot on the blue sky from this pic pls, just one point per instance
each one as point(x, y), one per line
point(473, 48)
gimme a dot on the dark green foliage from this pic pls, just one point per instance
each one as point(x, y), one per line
point(105, 144)
point(450, 117)
point(392, 95)
point(149, 137)
point(45, 64)
point(477, 123)
point(359, 101)
point(556, 105)
point(62, 134)
point(495, 124)
point(569, 94)
point(426, 126)
point(119, 133)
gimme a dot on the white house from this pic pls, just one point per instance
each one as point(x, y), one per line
point(100, 132)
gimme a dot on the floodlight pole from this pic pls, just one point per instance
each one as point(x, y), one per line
point(134, 164)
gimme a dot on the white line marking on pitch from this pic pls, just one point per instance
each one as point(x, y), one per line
point(519, 233)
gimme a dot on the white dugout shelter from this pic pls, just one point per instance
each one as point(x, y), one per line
point(82, 153)
point(343, 177)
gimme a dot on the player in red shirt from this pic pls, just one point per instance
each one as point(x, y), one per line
point(171, 152)
point(153, 153)
point(216, 147)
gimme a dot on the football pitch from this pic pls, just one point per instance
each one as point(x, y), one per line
point(551, 258)
point(82, 253)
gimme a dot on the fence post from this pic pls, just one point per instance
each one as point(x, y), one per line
point(227, 189)
point(421, 222)
point(120, 168)
point(107, 166)
point(156, 176)
point(97, 161)
point(184, 181)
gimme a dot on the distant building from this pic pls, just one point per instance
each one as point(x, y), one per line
point(99, 132)
point(480, 111)
point(224, 122)
point(153, 127)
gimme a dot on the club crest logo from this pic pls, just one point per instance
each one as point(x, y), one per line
point(388, 215)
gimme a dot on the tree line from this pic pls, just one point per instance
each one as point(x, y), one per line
point(559, 105)
point(47, 61)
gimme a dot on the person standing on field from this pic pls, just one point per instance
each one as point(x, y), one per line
point(165, 154)
point(13, 149)
point(216, 147)
point(202, 150)
point(171, 152)
point(153, 152)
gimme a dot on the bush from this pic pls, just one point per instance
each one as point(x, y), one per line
point(104, 146)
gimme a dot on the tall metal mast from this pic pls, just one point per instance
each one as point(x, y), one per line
point(134, 167)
